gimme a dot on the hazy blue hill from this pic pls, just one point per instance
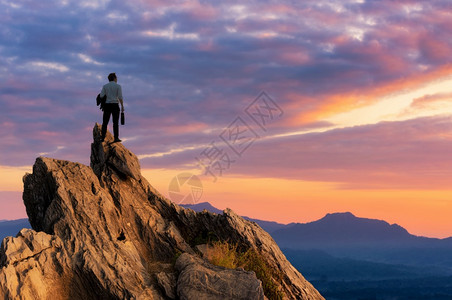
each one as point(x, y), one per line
point(268, 226)
point(346, 230)
point(345, 235)
point(341, 228)
point(11, 228)
point(319, 265)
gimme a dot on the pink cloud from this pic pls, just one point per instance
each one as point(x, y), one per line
point(414, 154)
point(427, 100)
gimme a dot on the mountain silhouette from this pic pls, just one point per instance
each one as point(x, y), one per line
point(342, 228)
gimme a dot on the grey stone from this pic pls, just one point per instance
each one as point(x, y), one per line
point(199, 279)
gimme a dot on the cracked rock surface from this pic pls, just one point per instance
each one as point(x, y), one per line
point(201, 280)
point(103, 232)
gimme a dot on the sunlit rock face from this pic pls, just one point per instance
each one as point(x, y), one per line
point(103, 232)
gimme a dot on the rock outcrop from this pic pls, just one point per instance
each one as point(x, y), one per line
point(200, 280)
point(103, 232)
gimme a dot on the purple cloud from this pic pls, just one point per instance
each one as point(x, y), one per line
point(404, 154)
point(189, 69)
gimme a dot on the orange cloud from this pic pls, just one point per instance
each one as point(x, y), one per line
point(186, 128)
point(325, 106)
point(427, 100)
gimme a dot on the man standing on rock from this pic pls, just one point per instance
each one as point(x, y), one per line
point(113, 92)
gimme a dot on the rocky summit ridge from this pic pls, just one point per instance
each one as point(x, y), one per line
point(103, 232)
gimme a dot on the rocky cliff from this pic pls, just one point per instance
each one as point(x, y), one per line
point(103, 232)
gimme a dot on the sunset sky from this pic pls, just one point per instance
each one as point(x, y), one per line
point(361, 93)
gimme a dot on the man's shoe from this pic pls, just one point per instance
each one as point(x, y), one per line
point(117, 141)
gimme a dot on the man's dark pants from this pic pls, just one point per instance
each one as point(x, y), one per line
point(111, 109)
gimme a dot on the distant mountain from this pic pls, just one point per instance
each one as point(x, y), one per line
point(341, 229)
point(345, 235)
point(346, 230)
point(268, 226)
point(11, 228)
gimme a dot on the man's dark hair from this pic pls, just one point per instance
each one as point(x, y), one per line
point(111, 76)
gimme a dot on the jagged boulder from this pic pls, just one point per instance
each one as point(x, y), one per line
point(201, 280)
point(31, 266)
point(103, 232)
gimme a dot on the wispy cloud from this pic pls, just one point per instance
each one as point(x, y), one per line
point(42, 66)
